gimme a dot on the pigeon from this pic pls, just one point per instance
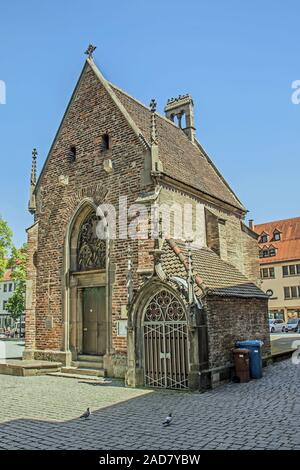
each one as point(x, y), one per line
point(168, 420)
point(86, 414)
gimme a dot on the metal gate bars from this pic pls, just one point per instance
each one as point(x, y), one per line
point(165, 342)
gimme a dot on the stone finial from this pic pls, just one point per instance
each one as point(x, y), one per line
point(153, 122)
point(90, 50)
point(129, 277)
point(32, 203)
point(33, 166)
point(153, 105)
point(190, 275)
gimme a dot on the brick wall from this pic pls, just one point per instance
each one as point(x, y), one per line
point(32, 238)
point(91, 114)
point(232, 319)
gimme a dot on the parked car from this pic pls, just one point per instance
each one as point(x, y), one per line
point(293, 325)
point(277, 326)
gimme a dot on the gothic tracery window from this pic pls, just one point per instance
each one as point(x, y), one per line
point(91, 251)
point(164, 307)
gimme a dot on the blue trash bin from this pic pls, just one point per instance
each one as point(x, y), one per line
point(255, 356)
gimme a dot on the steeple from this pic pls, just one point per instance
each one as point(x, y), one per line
point(32, 203)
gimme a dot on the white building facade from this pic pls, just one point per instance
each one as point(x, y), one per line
point(7, 287)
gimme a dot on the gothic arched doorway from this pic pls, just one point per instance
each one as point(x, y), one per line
point(88, 317)
point(91, 256)
point(165, 334)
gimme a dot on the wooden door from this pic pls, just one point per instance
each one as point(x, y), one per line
point(94, 324)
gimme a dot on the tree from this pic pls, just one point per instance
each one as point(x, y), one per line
point(5, 244)
point(16, 303)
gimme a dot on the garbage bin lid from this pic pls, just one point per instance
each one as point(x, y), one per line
point(240, 351)
point(250, 342)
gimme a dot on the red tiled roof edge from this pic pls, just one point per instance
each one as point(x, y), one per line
point(198, 279)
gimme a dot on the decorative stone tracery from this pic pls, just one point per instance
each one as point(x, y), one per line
point(91, 251)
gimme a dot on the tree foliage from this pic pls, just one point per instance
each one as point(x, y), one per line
point(16, 303)
point(5, 244)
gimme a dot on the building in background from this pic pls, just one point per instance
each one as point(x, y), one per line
point(7, 287)
point(279, 256)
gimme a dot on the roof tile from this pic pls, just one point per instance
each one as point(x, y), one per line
point(220, 278)
point(181, 159)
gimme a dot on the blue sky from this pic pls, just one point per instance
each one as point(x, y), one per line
point(237, 59)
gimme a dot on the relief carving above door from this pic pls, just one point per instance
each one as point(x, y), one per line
point(91, 251)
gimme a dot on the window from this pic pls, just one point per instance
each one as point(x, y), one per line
point(276, 236)
point(5, 288)
point(264, 238)
point(104, 142)
point(10, 287)
point(291, 270)
point(265, 253)
point(285, 271)
point(292, 292)
point(266, 273)
point(287, 294)
point(272, 252)
point(72, 154)
point(4, 304)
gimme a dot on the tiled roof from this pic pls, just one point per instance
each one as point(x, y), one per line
point(288, 248)
point(181, 159)
point(219, 277)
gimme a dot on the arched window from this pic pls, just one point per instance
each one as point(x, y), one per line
point(164, 307)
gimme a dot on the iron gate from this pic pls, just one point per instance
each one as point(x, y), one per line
point(165, 342)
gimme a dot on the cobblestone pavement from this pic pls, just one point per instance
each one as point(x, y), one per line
point(42, 413)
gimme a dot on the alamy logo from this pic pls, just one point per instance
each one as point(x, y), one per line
point(296, 94)
point(2, 92)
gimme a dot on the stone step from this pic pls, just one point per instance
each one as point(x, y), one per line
point(88, 358)
point(87, 364)
point(87, 378)
point(27, 368)
point(84, 371)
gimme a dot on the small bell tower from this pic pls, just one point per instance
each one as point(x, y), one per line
point(182, 108)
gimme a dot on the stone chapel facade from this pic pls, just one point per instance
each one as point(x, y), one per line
point(157, 312)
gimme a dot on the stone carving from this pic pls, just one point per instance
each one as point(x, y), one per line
point(91, 251)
